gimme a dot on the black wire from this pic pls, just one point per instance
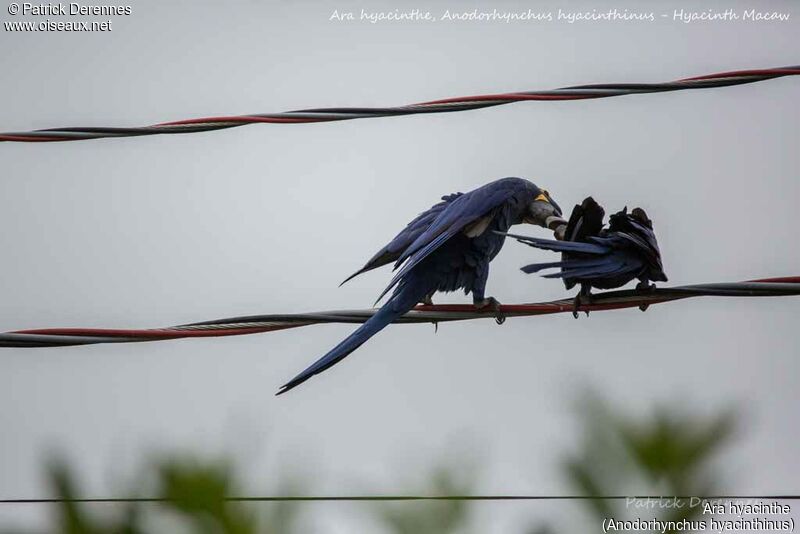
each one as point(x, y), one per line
point(356, 498)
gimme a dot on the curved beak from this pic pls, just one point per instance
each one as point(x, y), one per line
point(545, 212)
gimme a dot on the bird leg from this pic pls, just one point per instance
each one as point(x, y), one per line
point(644, 286)
point(584, 296)
point(492, 304)
point(428, 301)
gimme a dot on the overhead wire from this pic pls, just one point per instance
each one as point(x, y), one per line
point(255, 324)
point(464, 103)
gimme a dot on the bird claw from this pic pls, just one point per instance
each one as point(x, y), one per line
point(492, 304)
point(644, 287)
point(581, 299)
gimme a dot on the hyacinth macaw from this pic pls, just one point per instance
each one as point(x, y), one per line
point(605, 258)
point(446, 248)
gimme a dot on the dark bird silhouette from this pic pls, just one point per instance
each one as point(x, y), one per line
point(446, 248)
point(605, 258)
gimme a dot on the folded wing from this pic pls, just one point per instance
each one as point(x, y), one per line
point(392, 251)
point(457, 216)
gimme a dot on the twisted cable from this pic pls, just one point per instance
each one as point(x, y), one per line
point(464, 103)
point(237, 326)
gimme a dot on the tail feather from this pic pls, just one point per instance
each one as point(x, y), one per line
point(536, 267)
point(564, 265)
point(561, 246)
point(410, 291)
point(589, 270)
point(375, 324)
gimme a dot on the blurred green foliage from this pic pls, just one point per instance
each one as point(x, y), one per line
point(433, 517)
point(667, 453)
point(191, 496)
point(670, 452)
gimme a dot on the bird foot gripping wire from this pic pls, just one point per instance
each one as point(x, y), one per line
point(644, 287)
point(583, 298)
point(492, 304)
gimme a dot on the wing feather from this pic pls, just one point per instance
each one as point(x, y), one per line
point(392, 251)
point(455, 217)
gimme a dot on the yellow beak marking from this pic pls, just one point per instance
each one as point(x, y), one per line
point(542, 197)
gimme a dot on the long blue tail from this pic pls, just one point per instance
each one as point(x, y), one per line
point(401, 302)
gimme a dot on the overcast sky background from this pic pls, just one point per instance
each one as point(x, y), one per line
point(165, 230)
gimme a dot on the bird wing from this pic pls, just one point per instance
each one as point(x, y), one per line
point(637, 232)
point(456, 217)
point(562, 246)
point(585, 221)
point(643, 240)
point(392, 251)
point(607, 266)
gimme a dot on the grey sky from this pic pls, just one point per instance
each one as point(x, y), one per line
point(163, 230)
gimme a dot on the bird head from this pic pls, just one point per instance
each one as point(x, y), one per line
point(544, 211)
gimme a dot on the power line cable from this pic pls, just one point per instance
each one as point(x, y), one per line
point(254, 324)
point(318, 498)
point(464, 103)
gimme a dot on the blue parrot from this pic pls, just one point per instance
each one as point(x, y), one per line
point(605, 258)
point(446, 248)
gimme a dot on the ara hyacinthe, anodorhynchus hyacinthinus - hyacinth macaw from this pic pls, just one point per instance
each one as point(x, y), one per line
point(605, 258)
point(446, 248)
